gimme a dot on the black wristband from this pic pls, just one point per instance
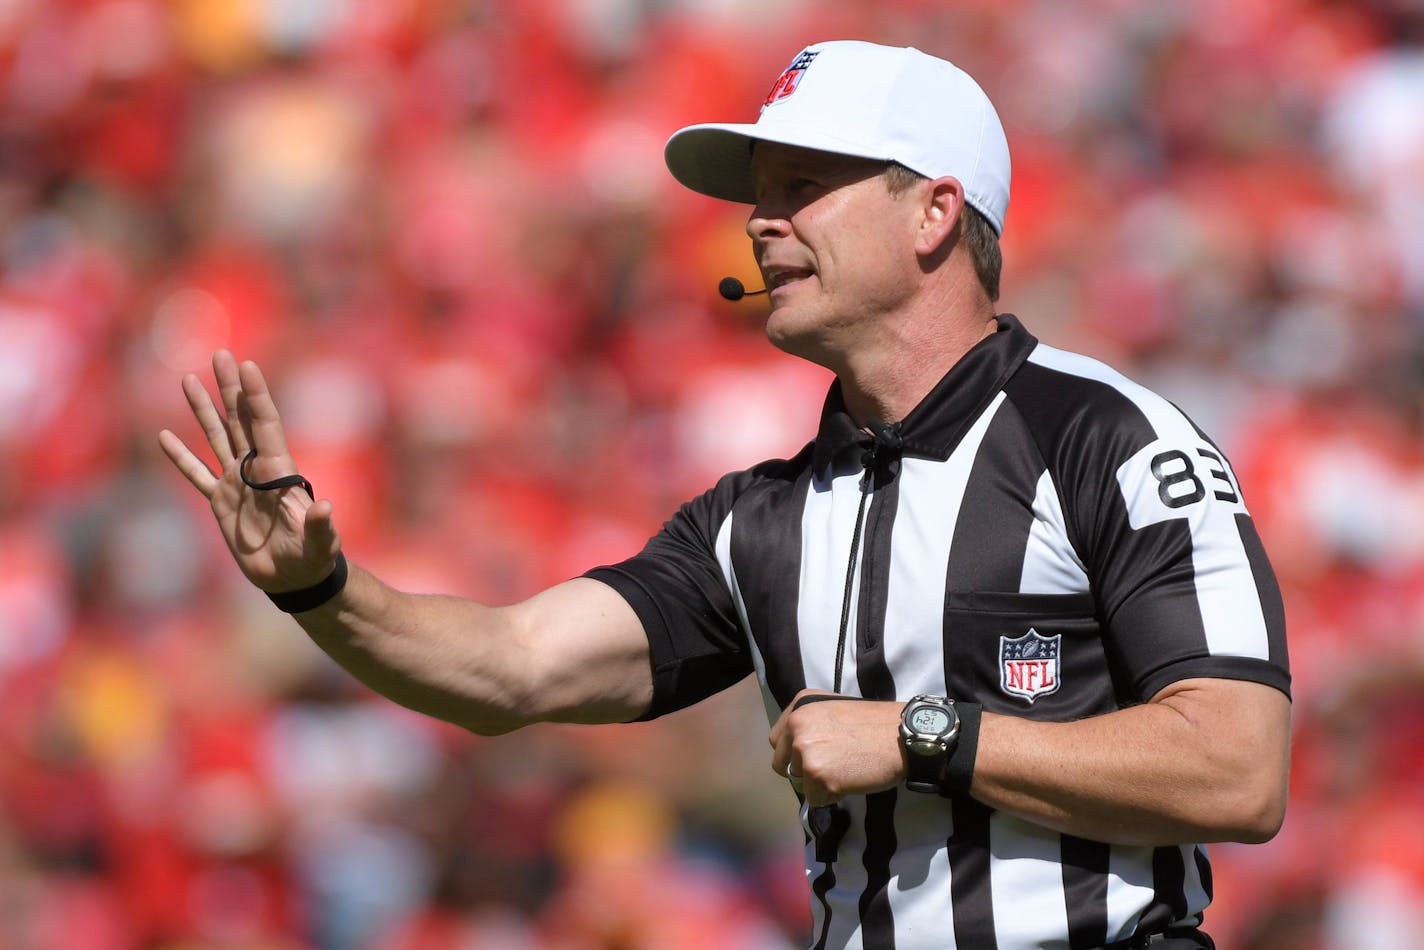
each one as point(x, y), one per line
point(959, 771)
point(309, 598)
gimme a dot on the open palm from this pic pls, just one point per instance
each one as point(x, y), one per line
point(282, 539)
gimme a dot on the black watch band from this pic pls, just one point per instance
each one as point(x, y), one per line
point(925, 773)
point(959, 770)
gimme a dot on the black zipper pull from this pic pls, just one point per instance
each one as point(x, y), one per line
point(887, 437)
point(887, 443)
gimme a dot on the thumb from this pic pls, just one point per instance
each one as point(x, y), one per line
point(319, 531)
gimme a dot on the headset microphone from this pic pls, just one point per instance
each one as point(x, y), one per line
point(733, 289)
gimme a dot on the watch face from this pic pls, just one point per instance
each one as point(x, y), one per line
point(930, 720)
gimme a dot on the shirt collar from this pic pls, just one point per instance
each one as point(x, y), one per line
point(936, 424)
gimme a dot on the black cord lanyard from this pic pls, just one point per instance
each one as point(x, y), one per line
point(829, 823)
point(887, 445)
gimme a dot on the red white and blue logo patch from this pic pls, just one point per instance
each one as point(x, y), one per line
point(786, 84)
point(1028, 665)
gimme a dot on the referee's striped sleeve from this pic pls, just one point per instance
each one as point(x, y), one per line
point(1180, 575)
point(677, 588)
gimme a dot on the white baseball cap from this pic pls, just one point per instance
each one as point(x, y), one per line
point(856, 98)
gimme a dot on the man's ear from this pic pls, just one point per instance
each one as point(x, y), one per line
point(942, 203)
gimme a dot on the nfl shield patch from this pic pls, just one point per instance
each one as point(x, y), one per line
point(1028, 665)
point(786, 83)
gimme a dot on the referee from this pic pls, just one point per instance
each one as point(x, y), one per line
point(1021, 648)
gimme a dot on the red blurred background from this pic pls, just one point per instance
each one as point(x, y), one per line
point(490, 318)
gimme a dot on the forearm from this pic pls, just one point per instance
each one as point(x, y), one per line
point(438, 655)
point(1163, 772)
point(573, 653)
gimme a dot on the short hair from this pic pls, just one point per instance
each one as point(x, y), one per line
point(978, 235)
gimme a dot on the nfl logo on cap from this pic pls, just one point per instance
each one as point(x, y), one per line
point(785, 85)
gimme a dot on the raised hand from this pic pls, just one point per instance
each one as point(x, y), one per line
point(282, 539)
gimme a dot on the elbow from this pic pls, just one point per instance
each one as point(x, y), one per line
point(484, 728)
point(1241, 732)
point(490, 726)
point(1251, 809)
point(490, 719)
point(1261, 788)
point(1261, 818)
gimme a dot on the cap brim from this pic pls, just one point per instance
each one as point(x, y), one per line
point(715, 159)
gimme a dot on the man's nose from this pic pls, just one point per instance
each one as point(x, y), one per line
point(765, 222)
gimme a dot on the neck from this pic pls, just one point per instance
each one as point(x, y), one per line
point(888, 382)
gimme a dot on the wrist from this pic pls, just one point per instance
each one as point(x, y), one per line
point(310, 598)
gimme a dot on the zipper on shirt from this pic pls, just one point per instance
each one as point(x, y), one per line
point(885, 446)
point(829, 823)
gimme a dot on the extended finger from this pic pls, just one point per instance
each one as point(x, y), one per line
point(268, 436)
point(208, 417)
point(230, 388)
point(187, 463)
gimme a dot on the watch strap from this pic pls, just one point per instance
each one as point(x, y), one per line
point(925, 773)
point(959, 770)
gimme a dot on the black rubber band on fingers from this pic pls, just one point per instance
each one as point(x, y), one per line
point(286, 481)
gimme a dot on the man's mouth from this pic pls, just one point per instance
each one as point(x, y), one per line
point(779, 277)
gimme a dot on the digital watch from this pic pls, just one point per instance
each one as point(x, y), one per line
point(929, 730)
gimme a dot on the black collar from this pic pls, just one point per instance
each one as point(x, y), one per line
point(934, 427)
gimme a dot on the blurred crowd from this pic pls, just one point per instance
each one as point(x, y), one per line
point(490, 318)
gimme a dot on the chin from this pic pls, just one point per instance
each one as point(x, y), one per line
point(806, 342)
point(782, 329)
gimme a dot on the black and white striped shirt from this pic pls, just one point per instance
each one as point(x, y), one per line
point(1052, 541)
